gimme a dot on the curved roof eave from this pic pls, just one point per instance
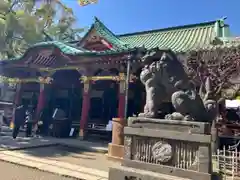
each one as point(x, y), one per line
point(66, 50)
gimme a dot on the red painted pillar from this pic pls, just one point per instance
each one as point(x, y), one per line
point(85, 108)
point(17, 101)
point(121, 101)
point(41, 101)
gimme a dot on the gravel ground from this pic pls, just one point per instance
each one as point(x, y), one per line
point(10, 171)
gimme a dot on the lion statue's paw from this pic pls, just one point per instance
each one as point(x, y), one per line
point(147, 115)
point(178, 116)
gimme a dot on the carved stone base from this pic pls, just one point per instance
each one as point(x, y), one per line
point(115, 152)
point(170, 147)
point(126, 173)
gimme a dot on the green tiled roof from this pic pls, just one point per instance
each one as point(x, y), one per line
point(179, 39)
point(67, 49)
point(105, 33)
point(71, 50)
point(221, 43)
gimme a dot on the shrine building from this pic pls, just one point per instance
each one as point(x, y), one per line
point(87, 78)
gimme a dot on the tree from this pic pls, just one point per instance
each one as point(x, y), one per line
point(220, 65)
point(23, 23)
point(62, 27)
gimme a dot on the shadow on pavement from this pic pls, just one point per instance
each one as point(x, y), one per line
point(74, 156)
point(90, 154)
point(58, 151)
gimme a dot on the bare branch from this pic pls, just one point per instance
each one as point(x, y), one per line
point(219, 65)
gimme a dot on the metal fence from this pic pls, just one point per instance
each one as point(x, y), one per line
point(227, 162)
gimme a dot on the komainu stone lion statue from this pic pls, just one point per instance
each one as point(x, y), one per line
point(165, 78)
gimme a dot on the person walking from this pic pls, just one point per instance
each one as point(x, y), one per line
point(29, 121)
point(19, 119)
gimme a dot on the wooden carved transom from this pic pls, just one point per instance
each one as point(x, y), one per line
point(44, 57)
point(93, 39)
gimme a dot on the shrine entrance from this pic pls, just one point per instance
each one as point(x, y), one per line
point(65, 93)
point(103, 101)
point(30, 93)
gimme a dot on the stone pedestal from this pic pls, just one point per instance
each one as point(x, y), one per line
point(116, 148)
point(115, 152)
point(164, 148)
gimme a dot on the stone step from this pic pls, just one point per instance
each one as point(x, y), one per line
point(52, 166)
point(137, 174)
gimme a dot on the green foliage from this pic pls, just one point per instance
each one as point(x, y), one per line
point(26, 22)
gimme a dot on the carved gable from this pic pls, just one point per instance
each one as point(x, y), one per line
point(95, 42)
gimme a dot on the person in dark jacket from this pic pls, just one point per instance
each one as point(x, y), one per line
point(19, 119)
point(29, 121)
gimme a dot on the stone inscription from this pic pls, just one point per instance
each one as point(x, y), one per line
point(131, 178)
point(162, 151)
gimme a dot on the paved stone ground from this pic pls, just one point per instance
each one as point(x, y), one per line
point(7, 142)
point(53, 166)
point(15, 172)
point(71, 155)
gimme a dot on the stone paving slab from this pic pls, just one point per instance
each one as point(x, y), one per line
point(77, 156)
point(77, 143)
point(21, 142)
point(8, 143)
point(11, 171)
point(53, 162)
point(117, 174)
point(52, 166)
point(8, 153)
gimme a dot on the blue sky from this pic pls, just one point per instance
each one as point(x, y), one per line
point(125, 16)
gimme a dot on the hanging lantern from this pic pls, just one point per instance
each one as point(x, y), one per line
point(86, 2)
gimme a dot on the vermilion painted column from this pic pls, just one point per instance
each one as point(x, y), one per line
point(41, 101)
point(85, 107)
point(17, 101)
point(121, 101)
